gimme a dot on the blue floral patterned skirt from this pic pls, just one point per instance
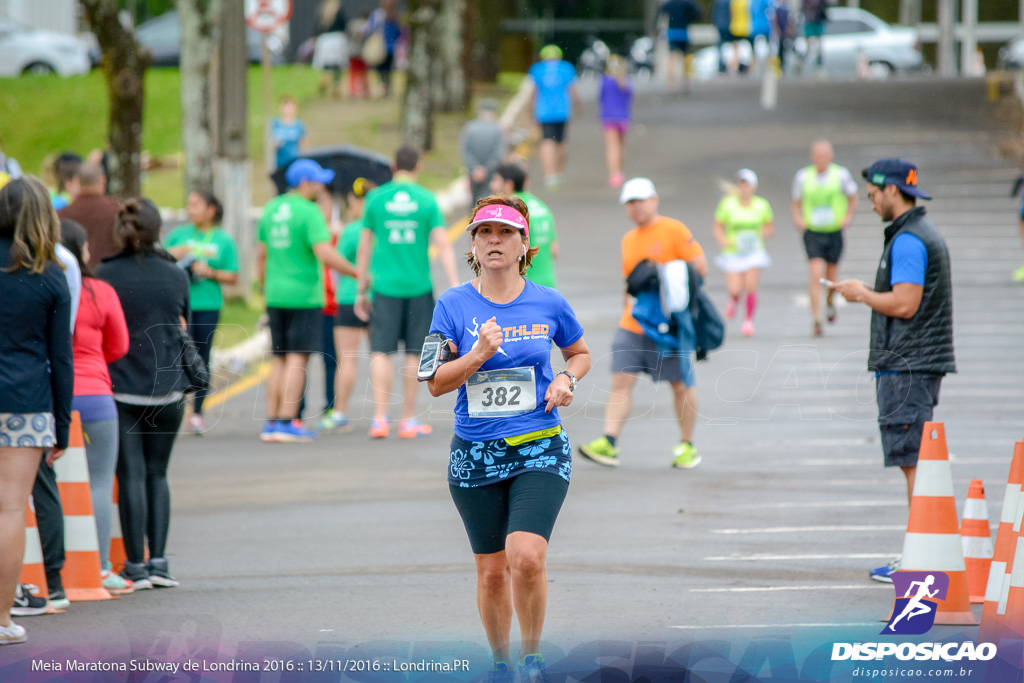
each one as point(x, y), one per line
point(479, 463)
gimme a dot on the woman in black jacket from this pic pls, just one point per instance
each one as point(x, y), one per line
point(149, 385)
point(36, 369)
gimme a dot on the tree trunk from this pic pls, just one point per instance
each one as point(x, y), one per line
point(417, 102)
point(200, 31)
point(451, 92)
point(124, 64)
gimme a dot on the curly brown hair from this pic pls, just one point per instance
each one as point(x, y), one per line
point(520, 206)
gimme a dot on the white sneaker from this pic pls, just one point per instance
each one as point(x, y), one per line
point(12, 633)
point(196, 425)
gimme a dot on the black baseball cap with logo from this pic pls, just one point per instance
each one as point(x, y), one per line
point(898, 172)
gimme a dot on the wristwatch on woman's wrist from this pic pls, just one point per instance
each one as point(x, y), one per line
point(572, 380)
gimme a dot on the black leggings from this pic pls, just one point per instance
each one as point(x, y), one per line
point(525, 502)
point(147, 436)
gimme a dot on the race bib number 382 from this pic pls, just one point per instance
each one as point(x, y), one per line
point(501, 393)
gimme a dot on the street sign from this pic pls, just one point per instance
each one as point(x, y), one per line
point(267, 15)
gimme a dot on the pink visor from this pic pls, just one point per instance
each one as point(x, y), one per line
point(500, 213)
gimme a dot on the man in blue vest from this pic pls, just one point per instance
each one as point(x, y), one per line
point(911, 320)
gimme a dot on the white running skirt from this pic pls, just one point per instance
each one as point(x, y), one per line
point(735, 263)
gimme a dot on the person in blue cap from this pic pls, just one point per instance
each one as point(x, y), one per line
point(911, 320)
point(293, 243)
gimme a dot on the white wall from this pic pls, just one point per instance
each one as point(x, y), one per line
point(53, 15)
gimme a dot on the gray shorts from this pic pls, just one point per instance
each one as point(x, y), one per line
point(406, 320)
point(633, 353)
point(906, 400)
point(27, 430)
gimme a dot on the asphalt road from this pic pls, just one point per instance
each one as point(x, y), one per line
point(352, 546)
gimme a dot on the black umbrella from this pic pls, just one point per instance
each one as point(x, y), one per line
point(348, 163)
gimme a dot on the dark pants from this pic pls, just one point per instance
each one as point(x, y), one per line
point(147, 436)
point(330, 356)
point(50, 520)
point(201, 329)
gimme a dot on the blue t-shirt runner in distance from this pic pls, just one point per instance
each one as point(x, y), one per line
point(538, 317)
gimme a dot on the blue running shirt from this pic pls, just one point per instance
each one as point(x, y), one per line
point(538, 317)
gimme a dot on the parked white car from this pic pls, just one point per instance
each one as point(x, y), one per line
point(25, 50)
point(851, 35)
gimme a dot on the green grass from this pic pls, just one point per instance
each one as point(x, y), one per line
point(237, 322)
point(43, 115)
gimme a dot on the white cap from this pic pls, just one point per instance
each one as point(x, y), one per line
point(746, 175)
point(637, 188)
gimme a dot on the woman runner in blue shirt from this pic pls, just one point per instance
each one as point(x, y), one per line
point(510, 459)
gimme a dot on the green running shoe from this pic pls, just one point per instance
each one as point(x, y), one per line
point(685, 456)
point(1018, 275)
point(601, 452)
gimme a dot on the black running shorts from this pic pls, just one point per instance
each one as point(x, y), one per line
point(526, 502)
point(824, 245)
point(295, 330)
point(405, 320)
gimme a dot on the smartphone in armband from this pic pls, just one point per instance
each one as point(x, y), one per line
point(435, 353)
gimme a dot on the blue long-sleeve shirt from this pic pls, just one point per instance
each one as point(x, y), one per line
point(37, 372)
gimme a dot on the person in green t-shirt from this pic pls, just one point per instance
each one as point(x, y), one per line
point(510, 178)
point(211, 258)
point(349, 329)
point(742, 222)
point(401, 222)
point(294, 243)
point(824, 200)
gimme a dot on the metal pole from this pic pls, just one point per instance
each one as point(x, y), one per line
point(910, 12)
point(947, 44)
point(269, 156)
point(969, 39)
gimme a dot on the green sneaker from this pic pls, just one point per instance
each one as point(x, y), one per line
point(601, 452)
point(685, 456)
point(1018, 275)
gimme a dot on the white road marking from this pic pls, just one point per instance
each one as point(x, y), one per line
point(785, 626)
point(798, 529)
point(828, 504)
point(767, 589)
point(758, 557)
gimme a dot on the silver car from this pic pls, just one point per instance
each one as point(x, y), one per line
point(25, 50)
point(852, 35)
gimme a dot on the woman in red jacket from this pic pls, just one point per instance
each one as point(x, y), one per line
point(100, 337)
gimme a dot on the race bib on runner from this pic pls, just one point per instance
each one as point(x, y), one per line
point(747, 242)
point(823, 217)
point(501, 393)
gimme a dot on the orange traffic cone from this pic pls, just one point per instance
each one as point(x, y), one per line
point(32, 569)
point(118, 555)
point(976, 541)
point(1013, 614)
point(932, 542)
point(81, 573)
point(1006, 543)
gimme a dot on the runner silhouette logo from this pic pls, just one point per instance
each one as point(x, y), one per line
point(917, 598)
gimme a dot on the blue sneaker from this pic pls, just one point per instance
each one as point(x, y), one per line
point(294, 432)
point(884, 574)
point(532, 670)
point(500, 673)
point(269, 433)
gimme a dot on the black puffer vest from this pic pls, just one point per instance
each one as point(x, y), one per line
point(923, 342)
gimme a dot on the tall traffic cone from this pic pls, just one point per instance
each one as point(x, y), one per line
point(1006, 543)
point(81, 573)
point(32, 569)
point(1013, 614)
point(118, 555)
point(932, 542)
point(976, 541)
